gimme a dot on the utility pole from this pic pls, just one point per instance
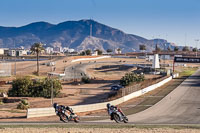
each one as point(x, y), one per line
point(15, 71)
point(51, 78)
point(196, 46)
point(164, 54)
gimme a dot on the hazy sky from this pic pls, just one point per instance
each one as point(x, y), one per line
point(177, 21)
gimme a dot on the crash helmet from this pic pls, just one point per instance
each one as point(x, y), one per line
point(55, 105)
point(67, 107)
point(108, 105)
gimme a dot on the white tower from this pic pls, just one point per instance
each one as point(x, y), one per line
point(156, 63)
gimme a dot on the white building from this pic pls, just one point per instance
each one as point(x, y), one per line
point(17, 52)
point(71, 50)
point(49, 50)
point(66, 49)
point(58, 49)
point(1, 51)
point(95, 53)
point(118, 51)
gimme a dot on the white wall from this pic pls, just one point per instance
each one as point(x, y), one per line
point(83, 59)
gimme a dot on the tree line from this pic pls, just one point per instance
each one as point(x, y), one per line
point(176, 48)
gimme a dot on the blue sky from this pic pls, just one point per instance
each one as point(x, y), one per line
point(177, 21)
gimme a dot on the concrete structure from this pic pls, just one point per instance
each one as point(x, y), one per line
point(5, 69)
point(1, 51)
point(17, 52)
point(156, 63)
point(48, 50)
point(66, 49)
point(84, 59)
point(118, 51)
point(165, 57)
point(95, 53)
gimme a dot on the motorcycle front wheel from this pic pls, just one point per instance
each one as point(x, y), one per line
point(76, 119)
point(116, 117)
point(125, 119)
point(64, 118)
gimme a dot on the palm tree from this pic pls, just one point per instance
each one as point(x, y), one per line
point(37, 48)
point(168, 49)
point(194, 49)
point(157, 49)
point(186, 48)
point(109, 50)
point(142, 47)
point(176, 48)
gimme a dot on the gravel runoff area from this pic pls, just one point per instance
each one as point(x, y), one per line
point(97, 130)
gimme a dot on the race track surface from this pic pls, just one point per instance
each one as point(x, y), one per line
point(181, 106)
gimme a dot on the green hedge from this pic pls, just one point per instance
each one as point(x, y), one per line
point(131, 78)
point(26, 87)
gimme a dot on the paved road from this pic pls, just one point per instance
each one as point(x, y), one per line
point(181, 106)
point(77, 71)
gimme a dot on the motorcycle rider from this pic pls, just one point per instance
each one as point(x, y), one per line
point(69, 109)
point(57, 107)
point(65, 113)
point(110, 109)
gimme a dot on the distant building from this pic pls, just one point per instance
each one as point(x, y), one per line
point(17, 52)
point(118, 51)
point(58, 49)
point(49, 50)
point(95, 53)
point(67, 50)
point(1, 51)
point(71, 50)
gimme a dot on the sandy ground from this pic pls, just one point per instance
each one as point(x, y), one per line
point(96, 130)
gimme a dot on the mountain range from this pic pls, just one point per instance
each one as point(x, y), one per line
point(79, 35)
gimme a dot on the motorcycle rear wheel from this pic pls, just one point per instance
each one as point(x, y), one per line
point(116, 117)
point(64, 118)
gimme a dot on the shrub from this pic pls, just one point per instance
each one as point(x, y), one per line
point(1, 102)
point(21, 87)
point(25, 87)
point(46, 86)
point(85, 79)
point(130, 78)
point(24, 104)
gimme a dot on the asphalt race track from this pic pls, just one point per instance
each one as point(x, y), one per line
point(181, 106)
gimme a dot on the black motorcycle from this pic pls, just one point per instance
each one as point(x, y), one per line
point(117, 115)
point(66, 113)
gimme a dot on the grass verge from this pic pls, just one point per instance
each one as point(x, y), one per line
point(13, 111)
point(110, 126)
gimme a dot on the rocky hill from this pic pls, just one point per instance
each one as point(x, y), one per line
point(79, 35)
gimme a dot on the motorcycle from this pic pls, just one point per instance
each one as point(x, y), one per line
point(66, 114)
point(117, 115)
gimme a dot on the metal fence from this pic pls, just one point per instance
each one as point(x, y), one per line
point(138, 86)
point(5, 69)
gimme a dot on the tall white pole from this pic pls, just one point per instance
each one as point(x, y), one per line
point(196, 46)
